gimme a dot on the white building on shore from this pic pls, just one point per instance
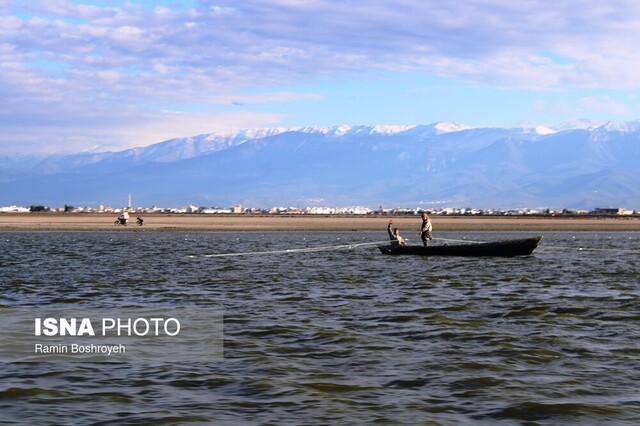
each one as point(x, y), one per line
point(14, 209)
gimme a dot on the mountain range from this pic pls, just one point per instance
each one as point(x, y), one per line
point(571, 165)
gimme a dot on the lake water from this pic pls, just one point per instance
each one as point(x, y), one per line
point(339, 336)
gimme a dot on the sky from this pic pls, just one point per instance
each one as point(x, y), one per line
point(80, 75)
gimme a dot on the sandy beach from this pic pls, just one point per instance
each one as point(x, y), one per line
point(195, 222)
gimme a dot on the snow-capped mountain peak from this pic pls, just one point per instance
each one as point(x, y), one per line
point(621, 126)
point(578, 124)
point(450, 127)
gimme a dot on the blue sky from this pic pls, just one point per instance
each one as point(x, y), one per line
point(85, 75)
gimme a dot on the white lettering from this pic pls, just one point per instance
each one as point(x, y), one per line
point(156, 322)
point(63, 327)
point(141, 326)
point(39, 348)
point(97, 349)
point(50, 327)
point(166, 327)
point(86, 328)
point(111, 326)
point(135, 327)
point(127, 327)
point(67, 326)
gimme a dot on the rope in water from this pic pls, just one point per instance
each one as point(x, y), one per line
point(299, 250)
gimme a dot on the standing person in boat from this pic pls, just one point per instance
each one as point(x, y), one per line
point(394, 236)
point(425, 230)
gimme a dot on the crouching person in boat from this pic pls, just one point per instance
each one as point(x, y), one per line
point(425, 230)
point(394, 236)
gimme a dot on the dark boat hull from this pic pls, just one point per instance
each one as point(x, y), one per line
point(508, 248)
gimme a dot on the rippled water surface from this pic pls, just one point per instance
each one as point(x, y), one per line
point(340, 336)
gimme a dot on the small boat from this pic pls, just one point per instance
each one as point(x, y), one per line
point(507, 248)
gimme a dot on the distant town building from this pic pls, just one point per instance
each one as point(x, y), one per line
point(338, 210)
point(216, 210)
point(14, 209)
point(607, 210)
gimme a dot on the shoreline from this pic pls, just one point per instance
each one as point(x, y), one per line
point(28, 222)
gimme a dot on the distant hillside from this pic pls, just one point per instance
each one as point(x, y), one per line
point(573, 165)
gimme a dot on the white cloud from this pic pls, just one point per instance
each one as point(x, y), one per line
point(280, 40)
point(379, 33)
point(63, 56)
